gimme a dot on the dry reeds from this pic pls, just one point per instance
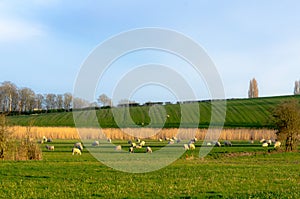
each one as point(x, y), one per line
point(151, 133)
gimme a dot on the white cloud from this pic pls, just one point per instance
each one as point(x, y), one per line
point(14, 30)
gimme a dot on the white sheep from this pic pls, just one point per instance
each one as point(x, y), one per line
point(95, 143)
point(160, 140)
point(208, 144)
point(133, 144)
point(142, 143)
point(262, 140)
point(171, 141)
point(44, 139)
point(50, 148)
point(148, 149)
point(138, 146)
point(265, 144)
point(118, 148)
point(192, 146)
point(186, 147)
point(76, 151)
point(40, 141)
point(277, 144)
point(109, 140)
point(218, 144)
point(130, 149)
point(78, 145)
point(227, 143)
point(138, 140)
point(49, 140)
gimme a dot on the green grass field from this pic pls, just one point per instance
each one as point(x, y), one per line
point(241, 171)
point(249, 113)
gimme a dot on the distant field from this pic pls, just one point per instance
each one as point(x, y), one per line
point(241, 171)
point(249, 113)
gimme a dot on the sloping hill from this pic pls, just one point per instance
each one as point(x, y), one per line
point(254, 113)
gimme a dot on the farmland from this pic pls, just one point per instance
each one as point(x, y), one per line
point(247, 113)
point(240, 171)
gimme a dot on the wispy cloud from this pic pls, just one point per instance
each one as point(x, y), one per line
point(15, 30)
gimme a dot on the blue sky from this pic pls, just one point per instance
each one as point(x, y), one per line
point(43, 43)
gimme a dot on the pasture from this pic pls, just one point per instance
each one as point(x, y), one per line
point(240, 113)
point(241, 171)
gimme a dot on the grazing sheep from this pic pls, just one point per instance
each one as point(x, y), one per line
point(49, 140)
point(265, 144)
point(148, 149)
point(167, 139)
point(251, 141)
point(44, 139)
point(171, 141)
point(78, 145)
point(277, 144)
point(40, 142)
point(138, 147)
point(142, 143)
point(133, 144)
point(109, 140)
point(192, 146)
point(186, 147)
point(50, 148)
point(138, 140)
point(76, 151)
point(269, 142)
point(262, 140)
point(160, 140)
point(227, 143)
point(118, 148)
point(174, 138)
point(130, 149)
point(208, 144)
point(218, 144)
point(95, 143)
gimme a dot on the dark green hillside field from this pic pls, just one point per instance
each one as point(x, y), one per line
point(240, 171)
point(253, 113)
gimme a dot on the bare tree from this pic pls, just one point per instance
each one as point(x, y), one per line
point(287, 120)
point(104, 100)
point(297, 88)
point(80, 103)
point(39, 98)
point(9, 96)
point(50, 101)
point(26, 99)
point(67, 101)
point(253, 89)
point(59, 101)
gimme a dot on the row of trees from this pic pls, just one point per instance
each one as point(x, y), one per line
point(253, 88)
point(14, 99)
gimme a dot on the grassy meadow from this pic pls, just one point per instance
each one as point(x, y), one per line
point(247, 113)
point(241, 171)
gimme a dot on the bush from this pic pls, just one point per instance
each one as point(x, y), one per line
point(10, 149)
point(287, 120)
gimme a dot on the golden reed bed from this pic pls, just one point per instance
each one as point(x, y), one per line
point(130, 133)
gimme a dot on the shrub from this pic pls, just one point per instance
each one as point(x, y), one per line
point(287, 120)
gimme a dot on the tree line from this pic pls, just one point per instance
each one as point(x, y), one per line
point(20, 100)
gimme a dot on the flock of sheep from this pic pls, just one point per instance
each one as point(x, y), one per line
point(266, 143)
point(138, 144)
